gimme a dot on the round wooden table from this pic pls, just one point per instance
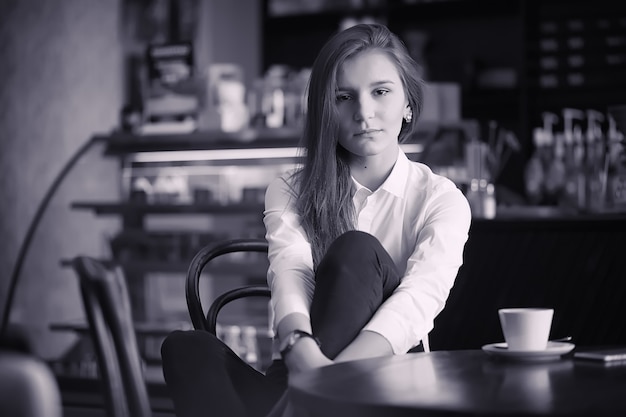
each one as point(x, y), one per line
point(464, 382)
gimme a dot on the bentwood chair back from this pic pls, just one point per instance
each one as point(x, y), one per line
point(208, 321)
point(107, 306)
point(194, 393)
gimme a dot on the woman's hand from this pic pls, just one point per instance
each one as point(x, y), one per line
point(305, 355)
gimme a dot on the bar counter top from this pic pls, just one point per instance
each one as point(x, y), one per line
point(574, 263)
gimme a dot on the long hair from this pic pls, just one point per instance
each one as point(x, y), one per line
point(324, 187)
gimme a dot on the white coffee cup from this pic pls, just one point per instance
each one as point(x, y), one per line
point(526, 329)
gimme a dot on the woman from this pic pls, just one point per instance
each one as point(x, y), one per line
point(376, 291)
point(364, 245)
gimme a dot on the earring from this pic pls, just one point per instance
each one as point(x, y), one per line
point(408, 116)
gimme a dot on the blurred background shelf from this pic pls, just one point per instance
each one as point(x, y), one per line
point(120, 143)
point(178, 193)
point(113, 208)
point(223, 270)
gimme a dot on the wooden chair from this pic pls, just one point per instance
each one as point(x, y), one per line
point(208, 321)
point(191, 392)
point(107, 306)
point(185, 391)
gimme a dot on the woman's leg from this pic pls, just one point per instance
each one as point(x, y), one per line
point(205, 377)
point(351, 282)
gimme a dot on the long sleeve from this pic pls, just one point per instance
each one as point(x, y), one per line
point(441, 231)
point(290, 274)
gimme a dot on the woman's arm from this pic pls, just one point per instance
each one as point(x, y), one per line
point(290, 276)
point(407, 316)
point(367, 344)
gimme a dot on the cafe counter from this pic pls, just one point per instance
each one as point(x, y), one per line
point(575, 264)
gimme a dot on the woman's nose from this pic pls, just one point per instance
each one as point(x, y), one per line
point(364, 110)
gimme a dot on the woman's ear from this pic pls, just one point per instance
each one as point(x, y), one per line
point(408, 114)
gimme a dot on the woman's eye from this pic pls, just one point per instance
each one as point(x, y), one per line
point(381, 91)
point(343, 97)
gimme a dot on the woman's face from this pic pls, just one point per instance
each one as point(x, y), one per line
point(371, 103)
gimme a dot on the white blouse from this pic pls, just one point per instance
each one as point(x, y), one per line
point(421, 219)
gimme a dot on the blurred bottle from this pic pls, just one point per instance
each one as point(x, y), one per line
point(474, 199)
point(595, 169)
point(268, 98)
point(555, 174)
point(574, 190)
point(489, 201)
point(232, 338)
point(534, 175)
point(481, 196)
point(251, 347)
point(296, 98)
point(617, 155)
point(224, 104)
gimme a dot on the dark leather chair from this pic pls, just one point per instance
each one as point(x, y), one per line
point(107, 306)
point(27, 386)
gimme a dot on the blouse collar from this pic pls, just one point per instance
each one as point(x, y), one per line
point(396, 181)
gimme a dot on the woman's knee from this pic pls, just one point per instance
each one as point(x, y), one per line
point(360, 257)
point(353, 247)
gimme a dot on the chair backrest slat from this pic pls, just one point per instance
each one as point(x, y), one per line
point(108, 309)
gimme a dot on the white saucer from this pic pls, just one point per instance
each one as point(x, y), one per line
point(554, 351)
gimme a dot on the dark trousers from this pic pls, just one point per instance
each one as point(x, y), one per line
point(205, 377)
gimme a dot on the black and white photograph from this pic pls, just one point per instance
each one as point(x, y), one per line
point(312, 208)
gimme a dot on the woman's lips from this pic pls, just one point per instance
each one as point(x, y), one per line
point(366, 132)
